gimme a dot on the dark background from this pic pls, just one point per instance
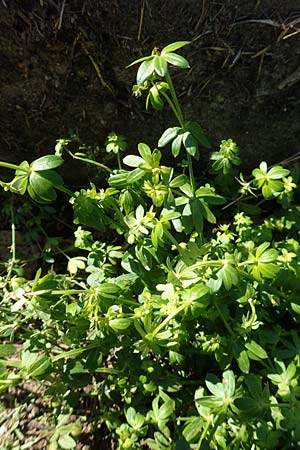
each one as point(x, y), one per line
point(63, 67)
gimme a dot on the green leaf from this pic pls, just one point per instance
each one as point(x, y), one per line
point(47, 162)
point(197, 214)
point(135, 420)
point(246, 404)
point(255, 351)
point(278, 172)
point(87, 211)
point(195, 292)
point(166, 410)
point(36, 197)
point(145, 71)
point(66, 442)
point(78, 262)
point(133, 160)
point(145, 152)
point(7, 350)
point(39, 366)
point(228, 382)
point(135, 175)
point(214, 385)
point(19, 184)
point(192, 430)
point(176, 145)
point(190, 143)
point(155, 98)
point(241, 356)
point(42, 186)
point(198, 133)
point(209, 401)
point(168, 135)
point(160, 65)
point(144, 58)
point(24, 165)
point(178, 181)
point(49, 175)
point(119, 324)
point(177, 60)
point(175, 46)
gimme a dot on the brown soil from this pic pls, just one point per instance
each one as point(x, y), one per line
point(63, 67)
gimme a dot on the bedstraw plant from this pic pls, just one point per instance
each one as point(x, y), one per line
point(179, 304)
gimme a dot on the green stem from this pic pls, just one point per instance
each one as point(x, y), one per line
point(203, 435)
point(175, 99)
point(8, 363)
point(178, 112)
point(65, 190)
point(74, 352)
point(90, 161)
point(191, 172)
point(167, 319)
point(169, 101)
point(13, 241)
point(119, 161)
point(77, 291)
point(199, 264)
point(14, 167)
point(228, 327)
point(173, 240)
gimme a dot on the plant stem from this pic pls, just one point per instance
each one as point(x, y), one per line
point(119, 161)
point(175, 99)
point(65, 190)
point(167, 319)
point(173, 240)
point(172, 107)
point(224, 320)
point(203, 435)
point(179, 115)
point(217, 262)
point(191, 172)
point(90, 161)
point(13, 240)
point(14, 167)
point(77, 291)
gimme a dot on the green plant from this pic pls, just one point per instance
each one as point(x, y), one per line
point(181, 307)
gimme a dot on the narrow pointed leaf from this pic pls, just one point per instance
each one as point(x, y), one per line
point(177, 60)
point(145, 71)
point(144, 58)
point(47, 162)
point(190, 143)
point(160, 65)
point(176, 145)
point(168, 135)
point(175, 46)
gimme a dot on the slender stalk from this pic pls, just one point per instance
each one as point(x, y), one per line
point(90, 161)
point(14, 167)
point(172, 107)
point(179, 115)
point(175, 99)
point(228, 327)
point(74, 352)
point(76, 292)
point(199, 264)
point(13, 240)
point(173, 240)
point(119, 161)
point(191, 172)
point(203, 435)
point(167, 319)
point(65, 190)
